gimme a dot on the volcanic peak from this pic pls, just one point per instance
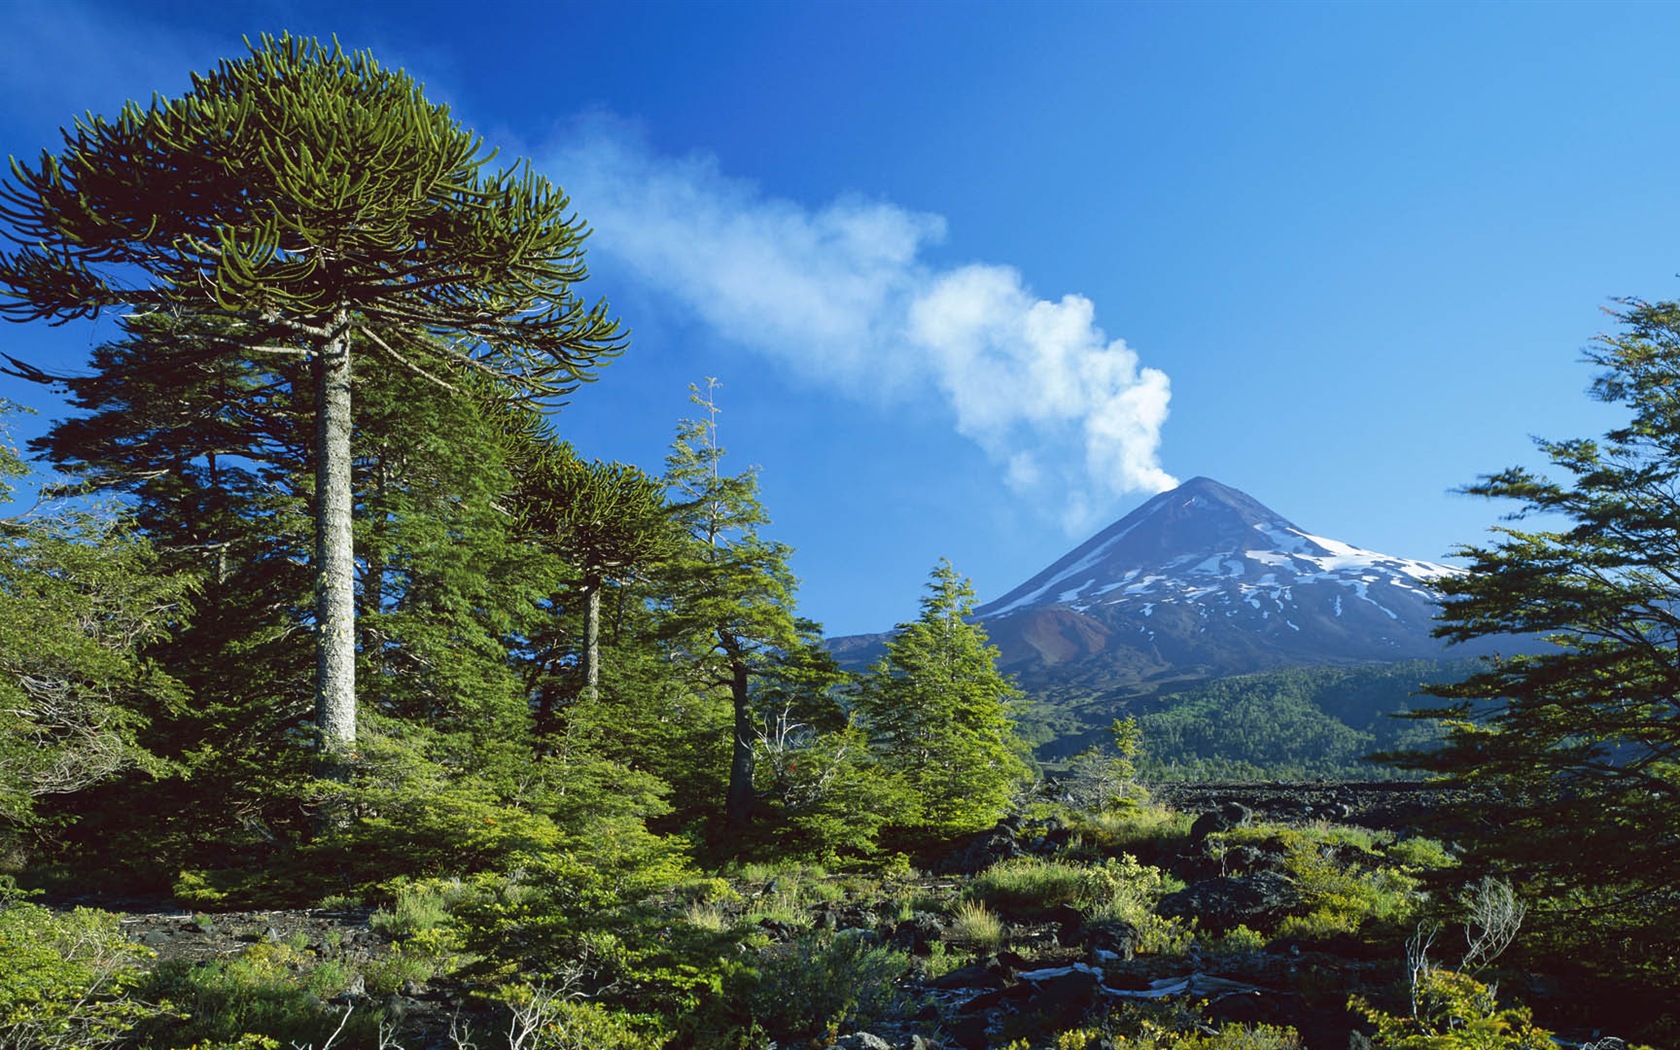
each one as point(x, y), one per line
point(1205, 537)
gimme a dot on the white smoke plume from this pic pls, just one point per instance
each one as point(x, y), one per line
point(842, 294)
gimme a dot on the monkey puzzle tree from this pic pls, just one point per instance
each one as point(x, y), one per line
point(315, 206)
point(604, 519)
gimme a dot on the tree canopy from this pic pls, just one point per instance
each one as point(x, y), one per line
point(307, 203)
point(939, 712)
point(1580, 742)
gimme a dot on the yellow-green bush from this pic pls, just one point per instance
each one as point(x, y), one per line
point(1454, 1011)
point(545, 1019)
point(65, 978)
point(1344, 879)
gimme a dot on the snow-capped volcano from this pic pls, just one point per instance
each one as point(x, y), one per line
point(1204, 539)
point(1205, 579)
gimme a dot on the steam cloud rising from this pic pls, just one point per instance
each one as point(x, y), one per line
point(841, 295)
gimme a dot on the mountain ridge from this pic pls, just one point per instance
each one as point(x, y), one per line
point(1199, 582)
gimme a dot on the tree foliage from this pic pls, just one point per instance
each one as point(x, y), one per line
point(80, 598)
point(937, 711)
point(728, 602)
point(1579, 744)
point(314, 205)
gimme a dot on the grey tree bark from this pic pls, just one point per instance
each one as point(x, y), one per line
point(335, 557)
point(592, 643)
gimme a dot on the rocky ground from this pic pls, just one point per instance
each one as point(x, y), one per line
point(1386, 805)
point(1056, 969)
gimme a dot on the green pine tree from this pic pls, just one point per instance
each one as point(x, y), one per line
point(938, 713)
point(727, 595)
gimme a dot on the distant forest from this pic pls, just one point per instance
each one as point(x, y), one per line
point(1297, 724)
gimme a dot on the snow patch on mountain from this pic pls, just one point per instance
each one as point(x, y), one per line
point(1287, 559)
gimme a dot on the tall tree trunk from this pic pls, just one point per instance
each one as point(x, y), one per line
point(335, 557)
point(738, 806)
point(592, 641)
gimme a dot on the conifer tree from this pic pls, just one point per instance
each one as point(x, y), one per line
point(607, 520)
point(728, 601)
point(316, 207)
point(937, 711)
point(1581, 740)
point(211, 453)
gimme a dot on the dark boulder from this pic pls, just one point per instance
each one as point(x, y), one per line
point(984, 850)
point(1229, 815)
point(968, 977)
point(916, 934)
point(969, 1032)
point(1064, 999)
point(1257, 901)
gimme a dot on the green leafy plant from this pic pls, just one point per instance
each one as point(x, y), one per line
point(818, 981)
point(66, 979)
point(1454, 1011)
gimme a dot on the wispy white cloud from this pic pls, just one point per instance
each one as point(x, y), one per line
point(844, 294)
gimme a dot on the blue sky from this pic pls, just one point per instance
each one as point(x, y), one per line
point(977, 279)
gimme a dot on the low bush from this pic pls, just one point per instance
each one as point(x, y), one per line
point(1453, 1011)
point(819, 982)
point(549, 1019)
point(65, 978)
point(269, 990)
point(1343, 876)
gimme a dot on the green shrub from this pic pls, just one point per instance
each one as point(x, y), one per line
point(1420, 854)
point(1453, 1011)
point(268, 990)
point(1343, 874)
point(1230, 1037)
point(820, 981)
point(1238, 941)
point(1123, 889)
point(389, 972)
point(65, 978)
point(939, 961)
point(545, 1019)
point(706, 890)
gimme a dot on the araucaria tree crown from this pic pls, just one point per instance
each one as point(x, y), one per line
point(313, 204)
